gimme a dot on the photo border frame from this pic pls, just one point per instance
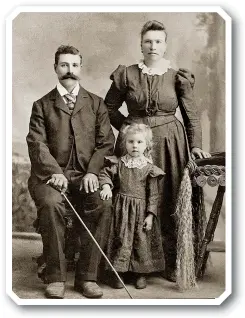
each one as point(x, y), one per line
point(228, 116)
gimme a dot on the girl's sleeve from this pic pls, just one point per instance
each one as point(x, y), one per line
point(152, 189)
point(189, 110)
point(108, 173)
point(116, 96)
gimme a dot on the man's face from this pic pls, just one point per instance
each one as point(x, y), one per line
point(68, 69)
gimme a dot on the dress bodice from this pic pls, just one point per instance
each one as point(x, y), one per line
point(147, 94)
point(154, 99)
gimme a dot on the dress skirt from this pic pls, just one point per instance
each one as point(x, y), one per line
point(129, 248)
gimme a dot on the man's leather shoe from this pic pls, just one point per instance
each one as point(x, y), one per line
point(55, 290)
point(88, 289)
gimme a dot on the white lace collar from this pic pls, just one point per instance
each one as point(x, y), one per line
point(163, 68)
point(139, 162)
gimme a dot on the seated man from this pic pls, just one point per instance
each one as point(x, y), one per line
point(69, 136)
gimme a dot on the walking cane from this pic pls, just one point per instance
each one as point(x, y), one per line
point(97, 244)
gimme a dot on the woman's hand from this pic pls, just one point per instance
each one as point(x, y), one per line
point(147, 226)
point(106, 193)
point(197, 153)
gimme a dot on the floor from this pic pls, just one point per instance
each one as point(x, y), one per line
point(27, 285)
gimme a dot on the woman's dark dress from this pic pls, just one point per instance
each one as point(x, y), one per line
point(130, 247)
point(153, 99)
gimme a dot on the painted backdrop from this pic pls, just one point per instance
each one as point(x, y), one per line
point(195, 41)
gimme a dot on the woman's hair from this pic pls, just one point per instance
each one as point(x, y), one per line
point(153, 25)
point(66, 49)
point(135, 129)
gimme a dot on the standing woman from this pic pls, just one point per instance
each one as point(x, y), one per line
point(152, 91)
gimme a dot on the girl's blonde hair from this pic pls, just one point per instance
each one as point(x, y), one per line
point(134, 129)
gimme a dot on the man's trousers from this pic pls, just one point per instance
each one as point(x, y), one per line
point(95, 213)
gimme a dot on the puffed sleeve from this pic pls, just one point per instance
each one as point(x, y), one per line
point(108, 173)
point(189, 110)
point(109, 160)
point(116, 96)
point(152, 189)
point(156, 172)
point(188, 75)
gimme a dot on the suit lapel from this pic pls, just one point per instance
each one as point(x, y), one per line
point(82, 100)
point(59, 102)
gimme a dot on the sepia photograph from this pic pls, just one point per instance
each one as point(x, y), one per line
point(120, 149)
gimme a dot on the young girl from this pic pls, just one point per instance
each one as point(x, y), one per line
point(134, 243)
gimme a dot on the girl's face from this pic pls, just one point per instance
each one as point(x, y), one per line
point(135, 144)
point(153, 45)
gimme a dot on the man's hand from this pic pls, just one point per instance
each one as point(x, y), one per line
point(197, 153)
point(147, 226)
point(59, 181)
point(106, 192)
point(90, 183)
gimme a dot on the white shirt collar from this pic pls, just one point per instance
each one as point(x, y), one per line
point(163, 68)
point(62, 90)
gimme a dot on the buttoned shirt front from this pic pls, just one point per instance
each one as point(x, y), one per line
point(63, 91)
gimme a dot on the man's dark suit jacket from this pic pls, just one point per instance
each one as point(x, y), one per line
point(53, 129)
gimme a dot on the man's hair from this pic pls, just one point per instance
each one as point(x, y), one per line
point(134, 129)
point(66, 49)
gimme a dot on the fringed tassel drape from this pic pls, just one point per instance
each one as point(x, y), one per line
point(190, 217)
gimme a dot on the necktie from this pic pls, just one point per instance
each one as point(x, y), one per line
point(71, 100)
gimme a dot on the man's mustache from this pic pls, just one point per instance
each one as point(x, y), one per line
point(70, 75)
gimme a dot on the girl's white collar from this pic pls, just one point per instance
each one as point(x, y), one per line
point(139, 162)
point(162, 69)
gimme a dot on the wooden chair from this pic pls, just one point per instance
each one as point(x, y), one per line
point(210, 171)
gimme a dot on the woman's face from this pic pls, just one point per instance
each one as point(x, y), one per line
point(153, 45)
